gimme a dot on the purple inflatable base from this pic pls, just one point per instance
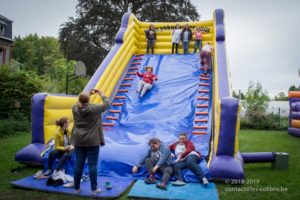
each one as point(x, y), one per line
point(224, 168)
point(258, 157)
point(31, 154)
point(294, 132)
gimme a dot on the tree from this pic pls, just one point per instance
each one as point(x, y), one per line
point(37, 53)
point(16, 90)
point(236, 95)
point(90, 36)
point(281, 97)
point(43, 56)
point(294, 88)
point(256, 99)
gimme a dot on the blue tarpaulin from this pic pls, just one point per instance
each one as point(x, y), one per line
point(164, 112)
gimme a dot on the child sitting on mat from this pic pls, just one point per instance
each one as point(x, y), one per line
point(147, 82)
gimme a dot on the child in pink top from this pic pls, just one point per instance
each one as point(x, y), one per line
point(147, 80)
point(198, 40)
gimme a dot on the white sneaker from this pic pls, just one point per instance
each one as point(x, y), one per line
point(178, 183)
point(69, 185)
point(205, 181)
point(95, 192)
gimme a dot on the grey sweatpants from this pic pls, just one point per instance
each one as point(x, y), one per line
point(144, 87)
point(166, 171)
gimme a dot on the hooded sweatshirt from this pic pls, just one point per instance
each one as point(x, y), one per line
point(87, 130)
point(162, 157)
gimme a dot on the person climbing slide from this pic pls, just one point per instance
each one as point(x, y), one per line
point(147, 80)
point(205, 55)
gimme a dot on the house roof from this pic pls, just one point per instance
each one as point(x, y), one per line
point(5, 18)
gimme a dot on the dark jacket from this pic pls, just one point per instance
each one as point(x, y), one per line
point(150, 36)
point(190, 34)
point(87, 130)
point(165, 158)
point(189, 147)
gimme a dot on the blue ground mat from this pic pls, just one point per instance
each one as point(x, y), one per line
point(191, 191)
point(119, 186)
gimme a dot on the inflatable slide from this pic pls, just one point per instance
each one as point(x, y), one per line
point(183, 99)
point(294, 118)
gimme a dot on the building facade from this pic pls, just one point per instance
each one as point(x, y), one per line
point(6, 41)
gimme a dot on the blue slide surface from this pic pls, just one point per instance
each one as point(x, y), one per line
point(164, 112)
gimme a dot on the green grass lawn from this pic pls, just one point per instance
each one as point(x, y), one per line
point(250, 141)
point(266, 141)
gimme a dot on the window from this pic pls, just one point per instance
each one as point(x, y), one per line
point(2, 29)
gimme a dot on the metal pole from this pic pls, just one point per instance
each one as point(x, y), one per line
point(278, 116)
point(67, 83)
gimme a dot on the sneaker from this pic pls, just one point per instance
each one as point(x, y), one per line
point(69, 185)
point(38, 174)
point(205, 181)
point(162, 186)
point(150, 180)
point(48, 172)
point(95, 192)
point(178, 183)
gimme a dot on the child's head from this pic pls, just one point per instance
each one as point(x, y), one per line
point(198, 29)
point(154, 144)
point(149, 68)
point(177, 26)
point(182, 138)
point(63, 123)
point(151, 27)
point(186, 26)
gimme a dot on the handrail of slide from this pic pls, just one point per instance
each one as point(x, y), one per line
point(225, 161)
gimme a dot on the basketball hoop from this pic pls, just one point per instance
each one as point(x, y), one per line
point(80, 69)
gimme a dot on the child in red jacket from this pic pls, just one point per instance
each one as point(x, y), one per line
point(187, 158)
point(147, 82)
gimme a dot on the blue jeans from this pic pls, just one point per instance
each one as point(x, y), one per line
point(186, 47)
point(191, 162)
point(198, 45)
point(92, 154)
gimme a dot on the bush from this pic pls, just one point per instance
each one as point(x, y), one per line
point(261, 121)
point(15, 124)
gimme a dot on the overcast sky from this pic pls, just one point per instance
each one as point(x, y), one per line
point(263, 36)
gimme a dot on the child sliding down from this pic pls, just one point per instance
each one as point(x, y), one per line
point(147, 80)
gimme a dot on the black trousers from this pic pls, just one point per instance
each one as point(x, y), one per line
point(175, 45)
